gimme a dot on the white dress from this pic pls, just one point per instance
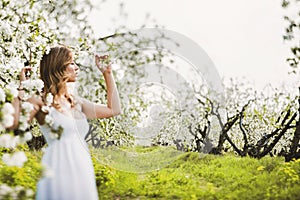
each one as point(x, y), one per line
point(68, 160)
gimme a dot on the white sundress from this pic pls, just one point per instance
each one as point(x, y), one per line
point(68, 160)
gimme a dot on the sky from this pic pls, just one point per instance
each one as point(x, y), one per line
point(242, 37)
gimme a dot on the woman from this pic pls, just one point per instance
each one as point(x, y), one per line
point(67, 157)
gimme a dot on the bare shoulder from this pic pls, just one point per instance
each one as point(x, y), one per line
point(79, 101)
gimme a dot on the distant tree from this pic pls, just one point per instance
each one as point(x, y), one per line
point(292, 32)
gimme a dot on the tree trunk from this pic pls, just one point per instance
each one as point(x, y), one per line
point(294, 152)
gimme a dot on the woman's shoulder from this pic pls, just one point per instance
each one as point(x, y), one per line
point(78, 102)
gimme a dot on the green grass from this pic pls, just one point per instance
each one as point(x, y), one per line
point(184, 175)
point(198, 176)
point(138, 159)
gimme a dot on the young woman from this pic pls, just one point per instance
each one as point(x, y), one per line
point(70, 173)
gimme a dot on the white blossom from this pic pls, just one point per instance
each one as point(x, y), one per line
point(27, 136)
point(5, 189)
point(49, 99)
point(16, 159)
point(18, 188)
point(45, 109)
point(32, 86)
point(2, 95)
point(49, 120)
point(14, 193)
point(47, 50)
point(6, 28)
point(23, 126)
point(53, 136)
point(8, 141)
point(13, 89)
point(19, 44)
point(2, 128)
point(29, 193)
point(23, 122)
point(7, 120)
point(28, 107)
point(8, 109)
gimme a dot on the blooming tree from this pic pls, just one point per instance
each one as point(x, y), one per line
point(292, 31)
point(29, 28)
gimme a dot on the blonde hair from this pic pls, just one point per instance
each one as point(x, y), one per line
point(53, 73)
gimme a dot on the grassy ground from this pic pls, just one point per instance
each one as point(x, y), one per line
point(138, 159)
point(197, 176)
point(180, 175)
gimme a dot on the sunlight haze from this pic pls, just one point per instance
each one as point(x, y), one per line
point(243, 38)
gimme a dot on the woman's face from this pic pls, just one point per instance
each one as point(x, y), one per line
point(72, 70)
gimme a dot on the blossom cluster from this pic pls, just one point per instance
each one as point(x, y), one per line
point(8, 140)
point(7, 192)
point(6, 108)
point(32, 87)
point(28, 29)
point(55, 132)
point(16, 159)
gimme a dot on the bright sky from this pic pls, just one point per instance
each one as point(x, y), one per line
point(242, 37)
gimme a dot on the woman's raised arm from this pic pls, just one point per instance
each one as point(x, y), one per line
point(113, 107)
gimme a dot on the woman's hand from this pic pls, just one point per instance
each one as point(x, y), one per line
point(25, 73)
point(103, 63)
point(94, 110)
